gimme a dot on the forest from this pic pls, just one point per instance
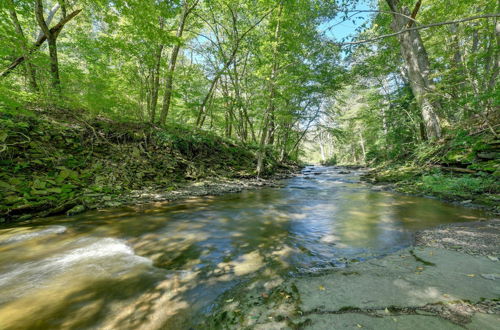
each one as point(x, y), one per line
point(249, 164)
point(415, 84)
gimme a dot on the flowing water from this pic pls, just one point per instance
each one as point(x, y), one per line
point(163, 266)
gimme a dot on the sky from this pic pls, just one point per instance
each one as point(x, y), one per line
point(347, 29)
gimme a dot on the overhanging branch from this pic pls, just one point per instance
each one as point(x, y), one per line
point(41, 39)
point(418, 28)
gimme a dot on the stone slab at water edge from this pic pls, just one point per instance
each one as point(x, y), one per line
point(415, 288)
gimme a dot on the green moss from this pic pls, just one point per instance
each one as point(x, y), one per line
point(53, 158)
point(465, 186)
point(440, 169)
point(488, 166)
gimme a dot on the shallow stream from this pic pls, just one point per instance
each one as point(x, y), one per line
point(164, 265)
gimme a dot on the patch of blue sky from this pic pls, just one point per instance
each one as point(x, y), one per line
point(342, 28)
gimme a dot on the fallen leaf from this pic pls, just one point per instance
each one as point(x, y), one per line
point(229, 300)
point(471, 275)
point(322, 288)
point(420, 268)
point(359, 325)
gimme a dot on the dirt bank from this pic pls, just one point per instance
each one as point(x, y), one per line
point(58, 162)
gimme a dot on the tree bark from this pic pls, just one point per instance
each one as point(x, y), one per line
point(156, 79)
point(51, 40)
point(418, 68)
point(362, 144)
point(56, 29)
point(167, 96)
point(24, 46)
point(49, 18)
point(272, 93)
point(226, 64)
point(203, 106)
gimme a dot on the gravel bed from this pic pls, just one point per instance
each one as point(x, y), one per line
point(475, 238)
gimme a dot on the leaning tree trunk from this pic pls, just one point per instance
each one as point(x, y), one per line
point(24, 45)
point(169, 84)
point(51, 40)
point(418, 67)
point(55, 30)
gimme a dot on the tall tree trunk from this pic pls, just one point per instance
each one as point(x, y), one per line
point(218, 75)
point(418, 68)
point(156, 80)
point(322, 149)
point(272, 94)
point(167, 96)
point(24, 45)
point(51, 40)
point(362, 144)
point(203, 106)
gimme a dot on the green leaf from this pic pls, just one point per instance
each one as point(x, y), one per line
point(5, 185)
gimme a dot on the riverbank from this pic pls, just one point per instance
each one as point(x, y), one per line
point(206, 187)
point(58, 162)
point(479, 191)
point(463, 167)
point(479, 238)
point(448, 280)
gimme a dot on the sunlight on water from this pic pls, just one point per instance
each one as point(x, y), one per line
point(162, 266)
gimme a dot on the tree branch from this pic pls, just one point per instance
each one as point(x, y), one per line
point(55, 30)
point(418, 28)
point(40, 19)
point(356, 12)
point(414, 13)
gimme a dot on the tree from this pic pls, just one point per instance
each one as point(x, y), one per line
point(51, 40)
point(417, 66)
point(187, 8)
point(24, 44)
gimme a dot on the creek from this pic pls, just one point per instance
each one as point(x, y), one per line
point(164, 265)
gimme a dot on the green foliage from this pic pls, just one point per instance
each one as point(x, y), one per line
point(114, 57)
point(466, 186)
point(245, 69)
point(378, 112)
point(51, 162)
point(330, 161)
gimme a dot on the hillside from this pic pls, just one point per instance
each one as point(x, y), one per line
point(55, 161)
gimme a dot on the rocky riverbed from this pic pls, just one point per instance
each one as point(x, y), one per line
point(450, 279)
